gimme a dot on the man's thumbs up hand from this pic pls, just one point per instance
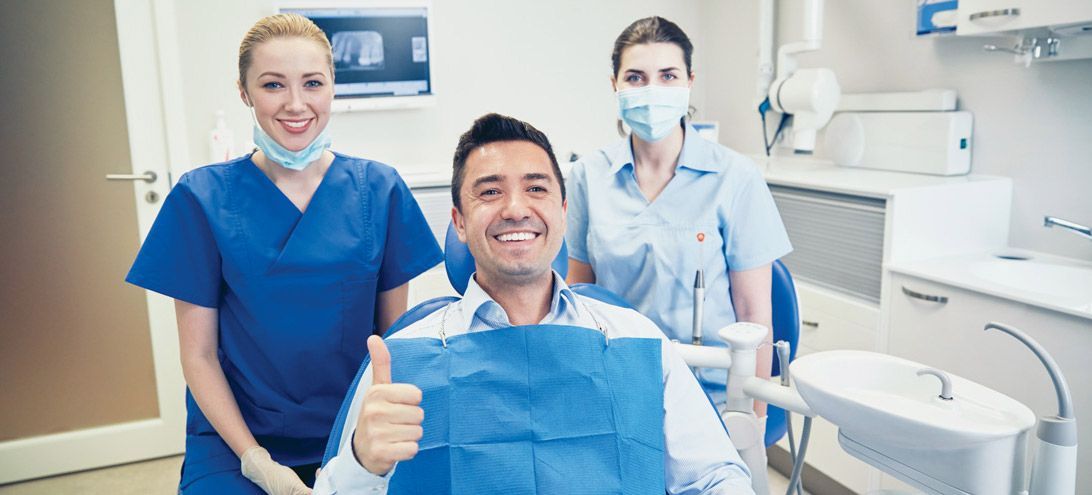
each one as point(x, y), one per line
point(389, 424)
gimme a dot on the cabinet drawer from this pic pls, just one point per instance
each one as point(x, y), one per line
point(994, 16)
point(832, 321)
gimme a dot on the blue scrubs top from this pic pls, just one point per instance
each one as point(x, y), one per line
point(295, 291)
point(649, 252)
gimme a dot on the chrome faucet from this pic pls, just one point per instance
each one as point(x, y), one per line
point(1081, 230)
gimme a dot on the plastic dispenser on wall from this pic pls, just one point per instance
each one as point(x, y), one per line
point(221, 141)
point(918, 132)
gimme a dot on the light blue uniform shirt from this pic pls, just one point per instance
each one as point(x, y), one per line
point(648, 253)
point(699, 457)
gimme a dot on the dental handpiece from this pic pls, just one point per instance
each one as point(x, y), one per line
point(699, 291)
point(699, 305)
point(783, 361)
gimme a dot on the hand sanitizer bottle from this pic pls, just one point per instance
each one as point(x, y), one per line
point(221, 141)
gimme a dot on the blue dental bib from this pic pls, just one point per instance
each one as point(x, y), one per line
point(533, 409)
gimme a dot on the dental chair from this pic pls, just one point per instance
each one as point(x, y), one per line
point(459, 264)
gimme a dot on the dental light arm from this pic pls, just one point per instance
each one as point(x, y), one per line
point(809, 95)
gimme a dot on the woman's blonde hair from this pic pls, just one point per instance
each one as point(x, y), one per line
point(280, 26)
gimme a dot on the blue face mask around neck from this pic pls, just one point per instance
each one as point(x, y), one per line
point(652, 112)
point(295, 160)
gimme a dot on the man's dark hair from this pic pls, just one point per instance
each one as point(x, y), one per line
point(491, 128)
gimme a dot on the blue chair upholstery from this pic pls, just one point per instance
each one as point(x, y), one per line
point(460, 263)
point(419, 311)
point(786, 326)
point(600, 294)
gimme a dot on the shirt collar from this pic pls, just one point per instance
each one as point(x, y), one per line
point(477, 303)
point(697, 154)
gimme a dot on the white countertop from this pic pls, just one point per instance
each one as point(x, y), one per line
point(816, 173)
point(1044, 280)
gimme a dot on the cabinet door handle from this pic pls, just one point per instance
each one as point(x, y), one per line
point(1013, 12)
point(808, 323)
point(925, 297)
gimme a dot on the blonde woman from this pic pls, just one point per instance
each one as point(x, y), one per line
point(281, 264)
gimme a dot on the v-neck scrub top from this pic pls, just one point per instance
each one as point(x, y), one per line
point(648, 252)
point(295, 291)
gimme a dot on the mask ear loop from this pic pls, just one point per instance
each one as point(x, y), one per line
point(253, 115)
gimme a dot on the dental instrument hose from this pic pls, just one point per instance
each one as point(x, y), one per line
point(767, 143)
point(783, 358)
point(798, 463)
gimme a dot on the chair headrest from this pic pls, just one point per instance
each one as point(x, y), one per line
point(460, 263)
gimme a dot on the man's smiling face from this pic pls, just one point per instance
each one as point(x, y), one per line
point(512, 215)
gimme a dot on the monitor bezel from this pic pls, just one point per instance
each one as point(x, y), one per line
point(366, 103)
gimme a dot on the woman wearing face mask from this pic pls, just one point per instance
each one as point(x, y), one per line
point(649, 211)
point(281, 264)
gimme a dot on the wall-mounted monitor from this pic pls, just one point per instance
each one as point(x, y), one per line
point(381, 51)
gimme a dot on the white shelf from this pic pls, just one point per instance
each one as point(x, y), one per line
point(823, 175)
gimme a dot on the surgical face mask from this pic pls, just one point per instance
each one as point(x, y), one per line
point(295, 160)
point(653, 111)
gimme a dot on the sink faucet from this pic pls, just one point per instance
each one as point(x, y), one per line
point(1081, 230)
point(945, 382)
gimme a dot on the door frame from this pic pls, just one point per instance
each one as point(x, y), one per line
point(147, 45)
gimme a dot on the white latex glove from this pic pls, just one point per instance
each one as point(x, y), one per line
point(274, 478)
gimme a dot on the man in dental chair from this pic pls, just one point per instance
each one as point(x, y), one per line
point(523, 386)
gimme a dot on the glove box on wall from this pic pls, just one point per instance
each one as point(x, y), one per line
point(935, 143)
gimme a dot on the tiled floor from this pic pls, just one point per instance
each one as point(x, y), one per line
point(159, 476)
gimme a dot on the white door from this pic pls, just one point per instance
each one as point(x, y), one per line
point(89, 368)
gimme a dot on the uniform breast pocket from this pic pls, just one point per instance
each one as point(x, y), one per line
point(683, 249)
point(358, 314)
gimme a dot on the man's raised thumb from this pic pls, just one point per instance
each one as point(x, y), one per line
point(381, 360)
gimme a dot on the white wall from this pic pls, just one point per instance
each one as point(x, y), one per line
point(1032, 124)
point(547, 62)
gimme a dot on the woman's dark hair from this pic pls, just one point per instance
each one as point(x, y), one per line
point(491, 128)
point(653, 29)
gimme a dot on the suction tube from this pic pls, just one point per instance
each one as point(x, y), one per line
point(798, 462)
point(783, 352)
point(1065, 401)
point(1054, 471)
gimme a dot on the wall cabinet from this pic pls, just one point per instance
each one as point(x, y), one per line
point(990, 17)
point(950, 336)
